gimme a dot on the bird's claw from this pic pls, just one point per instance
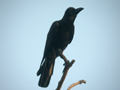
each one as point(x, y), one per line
point(66, 63)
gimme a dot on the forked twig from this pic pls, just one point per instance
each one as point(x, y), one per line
point(65, 71)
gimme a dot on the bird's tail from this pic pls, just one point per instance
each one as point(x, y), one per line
point(45, 72)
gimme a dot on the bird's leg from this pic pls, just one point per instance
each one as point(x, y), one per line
point(63, 57)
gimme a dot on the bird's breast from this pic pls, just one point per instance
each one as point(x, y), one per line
point(63, 40)
point(63, 37)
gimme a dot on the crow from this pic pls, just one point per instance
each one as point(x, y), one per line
point(59, 36)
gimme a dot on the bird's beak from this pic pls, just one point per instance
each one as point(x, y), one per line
point(79, 9)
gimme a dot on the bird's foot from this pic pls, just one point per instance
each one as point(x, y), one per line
point(66, 63)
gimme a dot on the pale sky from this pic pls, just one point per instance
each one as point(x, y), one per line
point(24, 25)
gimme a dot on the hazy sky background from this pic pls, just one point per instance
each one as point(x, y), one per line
point(24, 25)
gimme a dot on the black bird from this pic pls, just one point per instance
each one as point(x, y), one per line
point(60, 35)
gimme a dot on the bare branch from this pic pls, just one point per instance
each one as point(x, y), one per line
point(77, 83)
point(65, 71)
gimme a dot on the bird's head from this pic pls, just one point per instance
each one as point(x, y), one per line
point(71, 13)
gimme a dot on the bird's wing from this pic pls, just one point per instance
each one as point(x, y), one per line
point(71, 34)
point(51, 38)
